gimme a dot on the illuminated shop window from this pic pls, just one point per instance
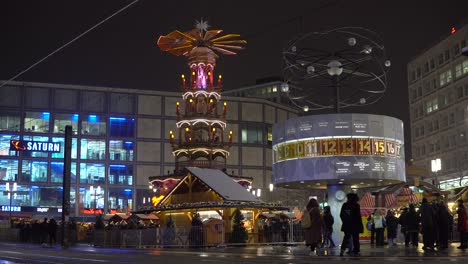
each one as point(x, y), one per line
point(91, 198)
point(120, 199)
point(93, 125)
point(34, 171)
point(92, 173)
point(93, 149)
point(36, 122)
point(35, 154)
point(122, 126)
point(252, 134)
point(120, 174)
point(56, 172)
point(8, 170)
point(47, 196)
point(5, 145)
point(60, 155)
point(62, 120)
point(18, 199)
point(9, 122)
point(121, 150)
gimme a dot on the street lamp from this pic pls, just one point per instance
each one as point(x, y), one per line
point(97, 191)
point(13, 191)
point(436, 166)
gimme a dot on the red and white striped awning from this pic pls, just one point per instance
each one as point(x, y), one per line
point(367, 201)
point(390, 200)
point(412, 198)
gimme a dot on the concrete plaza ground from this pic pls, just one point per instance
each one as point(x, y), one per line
point(28, 253)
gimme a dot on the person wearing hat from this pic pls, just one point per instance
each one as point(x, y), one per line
point(462, 224)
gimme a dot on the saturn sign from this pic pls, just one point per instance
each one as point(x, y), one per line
point(21, 145)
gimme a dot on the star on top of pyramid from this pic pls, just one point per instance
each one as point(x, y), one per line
point(202, 25)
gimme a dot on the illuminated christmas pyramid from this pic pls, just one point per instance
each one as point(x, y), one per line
point(200, 139)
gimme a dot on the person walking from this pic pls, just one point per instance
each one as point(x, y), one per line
point(44, 231)
point(462, 224)
point(427, 224)
point(411, 226)
point(392, 227)
point(313, 234)
point(379, 223)
point(52, 230)
point(328, 229)
point(352, 226)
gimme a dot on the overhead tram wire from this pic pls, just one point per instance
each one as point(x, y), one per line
point(68, 43)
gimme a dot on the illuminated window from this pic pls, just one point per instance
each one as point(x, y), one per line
point(269, 135)
point(121, 174)
point(5, 145)
point(120, 199)
point(36, 122)
point(56, 172)
point(8, 170)
point(60, 155)
point(121, 150)
point(432, 105)
point(465, 67)
point(252, 134)
point(92, 173)
point(62, 120)
point(34, 171)
point(91, 198)
point(93, 125)
point(445, 77)
point(93, 149)
point(9, 122)
point(122, 126)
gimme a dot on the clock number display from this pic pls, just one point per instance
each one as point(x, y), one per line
point(329, 146)
point(310, 148)
point(378, 147)
point(346, 146)
point(363, 146)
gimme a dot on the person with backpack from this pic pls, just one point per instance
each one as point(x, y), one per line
point(352, 226)
point(328, 230)
point(312, 224)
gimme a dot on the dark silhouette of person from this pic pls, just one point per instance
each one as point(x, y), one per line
point(427, 224)
point(52, 229)
point(44, 231)
point(392, 227)
point(462, 224)
point(411, 226)
point(443, 221)
point(328, 230)
point(352, 226)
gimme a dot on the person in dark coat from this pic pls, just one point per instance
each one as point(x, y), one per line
point(44, 231)
point(328, 227)
point(462, 224)
point(313, 234)
point(392, 227)
point(52, 230)
point(427, 224)
point(443, 216)
point(196, 232)
point(352, 226)
point(411, 226)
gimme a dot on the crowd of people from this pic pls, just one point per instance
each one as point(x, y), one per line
point(432, 220)
point(43, 232)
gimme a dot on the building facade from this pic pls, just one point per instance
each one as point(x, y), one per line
point(120, 138)
point(438, 99)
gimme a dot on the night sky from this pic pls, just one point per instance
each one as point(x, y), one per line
point(123, 53)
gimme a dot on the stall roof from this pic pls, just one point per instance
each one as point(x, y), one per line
point(147, 216)
point(221, 183)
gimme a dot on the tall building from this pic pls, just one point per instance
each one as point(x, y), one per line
point(438, 98)
point(120, 138)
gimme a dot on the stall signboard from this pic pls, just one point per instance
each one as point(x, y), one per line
point(39, 146)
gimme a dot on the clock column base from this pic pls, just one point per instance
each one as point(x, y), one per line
point(335, 202)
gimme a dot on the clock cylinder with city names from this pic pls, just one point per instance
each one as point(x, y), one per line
point(363, 150)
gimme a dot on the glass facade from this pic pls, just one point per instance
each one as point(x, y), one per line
point(107, 152)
